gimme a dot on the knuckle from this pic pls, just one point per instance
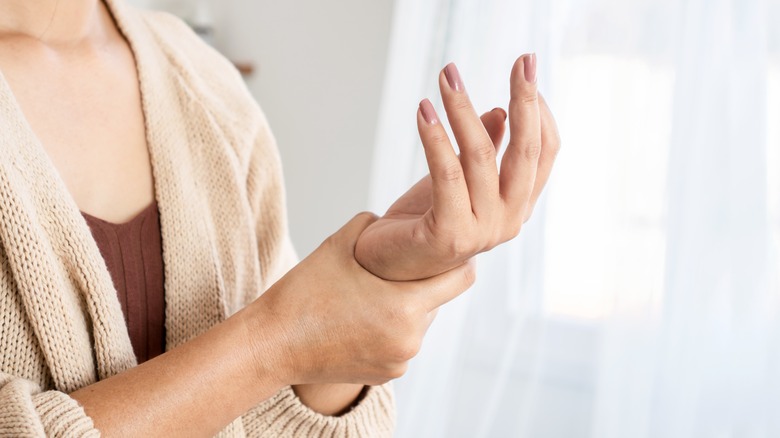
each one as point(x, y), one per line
point(552, 141)
point(532, 149)
point(395, 327)
point(498, 237)
point(332, 241)
point(397, 371)
point(459, 247)
point(404, 350)
point(515, 218)
point(556, 146)
point(461, 104)
point(438, 137)
point(406, 312)
point(514, 229)
point(484, 154)
point(529, 98)
point(469, 275)
point(450, 172)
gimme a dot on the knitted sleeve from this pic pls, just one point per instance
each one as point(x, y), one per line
point(285, 416)
point(25, 410)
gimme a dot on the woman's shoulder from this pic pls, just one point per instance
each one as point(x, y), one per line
point(207, 75)
point(186, 49)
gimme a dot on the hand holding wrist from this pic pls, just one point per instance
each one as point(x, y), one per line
point(330, 321)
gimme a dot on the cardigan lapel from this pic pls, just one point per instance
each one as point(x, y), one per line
point(194, 290)
point(59, 272)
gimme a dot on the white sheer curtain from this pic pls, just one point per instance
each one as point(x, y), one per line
point(642, 299)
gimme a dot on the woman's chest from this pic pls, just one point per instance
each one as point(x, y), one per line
point(85, 109)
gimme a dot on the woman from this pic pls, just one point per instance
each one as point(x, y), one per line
point(142, 211)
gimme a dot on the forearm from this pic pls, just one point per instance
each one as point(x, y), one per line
point(195, 389)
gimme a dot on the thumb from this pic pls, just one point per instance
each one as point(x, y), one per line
point(348, 234)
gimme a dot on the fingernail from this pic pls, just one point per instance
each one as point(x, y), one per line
point(501, 110)
point(529, 64)
point(453, 77)
point(428, 113)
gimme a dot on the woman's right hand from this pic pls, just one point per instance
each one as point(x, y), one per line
point(334, 322)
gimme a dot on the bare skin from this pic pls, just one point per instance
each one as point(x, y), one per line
point(67, 68)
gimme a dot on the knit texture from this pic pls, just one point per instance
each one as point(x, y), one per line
point(219, 189)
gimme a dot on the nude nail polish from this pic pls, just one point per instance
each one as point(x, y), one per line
point(529, 70)
point(428, 113)
point(453, 77)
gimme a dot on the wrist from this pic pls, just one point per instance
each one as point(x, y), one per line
point(265, 341)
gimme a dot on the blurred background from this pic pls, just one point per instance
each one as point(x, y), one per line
point(643, 297)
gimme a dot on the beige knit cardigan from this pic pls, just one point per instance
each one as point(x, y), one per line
point(219, 188)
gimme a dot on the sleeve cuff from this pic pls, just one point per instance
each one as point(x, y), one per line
point(284, 415)
point(62, 416)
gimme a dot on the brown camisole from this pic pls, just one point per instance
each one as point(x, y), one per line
point(133, 255)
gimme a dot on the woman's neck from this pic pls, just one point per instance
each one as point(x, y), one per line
point(52, 22)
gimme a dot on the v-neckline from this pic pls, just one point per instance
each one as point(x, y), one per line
point(146, 211)
point(111, 348)
point(41, 149)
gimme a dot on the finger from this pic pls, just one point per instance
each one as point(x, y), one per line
point(551, 144)
point(477, 153)
point(494, 122)
point(518, 167)
point(441, 289)
point(495, 125)
point(417, 200)
point(448, 186)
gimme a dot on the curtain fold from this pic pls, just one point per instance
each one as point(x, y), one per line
point(642, 298)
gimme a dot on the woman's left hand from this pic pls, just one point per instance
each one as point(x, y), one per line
point(465, 206)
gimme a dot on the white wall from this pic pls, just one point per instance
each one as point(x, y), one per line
point(320, 70)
